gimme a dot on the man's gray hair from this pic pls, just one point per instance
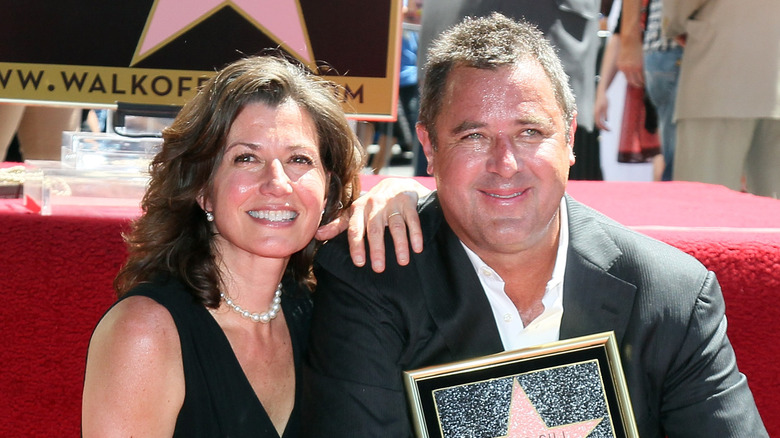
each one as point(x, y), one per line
point(489, 43)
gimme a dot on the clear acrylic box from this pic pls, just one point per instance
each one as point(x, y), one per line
point(108, 151)
point(54, 187)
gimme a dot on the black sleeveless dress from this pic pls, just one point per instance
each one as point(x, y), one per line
point(219, 400)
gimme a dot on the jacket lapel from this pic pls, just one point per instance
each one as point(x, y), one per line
point(452, 290)
point(594, 300)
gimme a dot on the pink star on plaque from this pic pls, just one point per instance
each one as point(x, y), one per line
point(524, 421)
point(281, 20)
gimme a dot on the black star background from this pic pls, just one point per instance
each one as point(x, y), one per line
point(344, 34)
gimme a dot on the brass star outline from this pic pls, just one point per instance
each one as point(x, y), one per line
point(280, 20)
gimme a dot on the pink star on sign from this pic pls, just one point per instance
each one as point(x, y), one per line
point(525, 422)
point(279, 19)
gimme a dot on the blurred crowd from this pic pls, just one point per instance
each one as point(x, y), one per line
point(702, 101)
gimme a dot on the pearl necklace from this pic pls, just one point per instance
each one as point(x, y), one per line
point(264, 317)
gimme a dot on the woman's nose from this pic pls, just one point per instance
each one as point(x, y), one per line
point(276, 182)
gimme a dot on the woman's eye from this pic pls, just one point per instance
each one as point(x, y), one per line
point(301, 159)
point(244, 158)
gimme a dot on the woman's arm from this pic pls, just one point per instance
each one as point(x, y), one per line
point(606, 75)
point(134, 381)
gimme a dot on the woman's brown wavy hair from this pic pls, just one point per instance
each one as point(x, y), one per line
point(173, 237)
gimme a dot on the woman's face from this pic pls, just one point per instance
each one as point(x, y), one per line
point(269, 190)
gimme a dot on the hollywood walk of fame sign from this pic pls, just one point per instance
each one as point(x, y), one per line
point(95, 53)
point(568, 389)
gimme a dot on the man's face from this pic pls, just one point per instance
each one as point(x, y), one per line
point(502, 158)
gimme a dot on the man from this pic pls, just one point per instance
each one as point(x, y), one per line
point(571, 26)
point(510, 261)
point(728, 99)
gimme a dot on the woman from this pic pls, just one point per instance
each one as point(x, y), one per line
point(214, 308)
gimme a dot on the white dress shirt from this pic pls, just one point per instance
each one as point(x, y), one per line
point(546, 327)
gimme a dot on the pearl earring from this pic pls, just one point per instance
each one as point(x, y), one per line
point(209, 216)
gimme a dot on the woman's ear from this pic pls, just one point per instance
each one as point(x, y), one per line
point(204, 204)
point(328, 177)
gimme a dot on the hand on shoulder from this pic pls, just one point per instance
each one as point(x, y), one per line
point(392, 204)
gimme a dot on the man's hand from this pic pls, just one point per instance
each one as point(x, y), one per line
point(390, 203)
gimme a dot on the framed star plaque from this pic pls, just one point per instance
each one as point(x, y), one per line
point(95, 53)
point(567, 389)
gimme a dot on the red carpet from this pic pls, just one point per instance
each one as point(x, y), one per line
point(737, 236)
point(56, 275)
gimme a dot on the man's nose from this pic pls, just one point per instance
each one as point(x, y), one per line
point(503, 159)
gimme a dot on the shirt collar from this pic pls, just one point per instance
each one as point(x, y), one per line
point(560, 259)
point(546, 327)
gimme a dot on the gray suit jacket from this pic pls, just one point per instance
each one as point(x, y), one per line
point(666, 310)
point(731, 63)
point(570, 25)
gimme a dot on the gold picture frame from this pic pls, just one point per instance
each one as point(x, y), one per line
point(573, 388)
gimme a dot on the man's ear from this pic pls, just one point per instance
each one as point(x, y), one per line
point(570, 140)
point(427, 145)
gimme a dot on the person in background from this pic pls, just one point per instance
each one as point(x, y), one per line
point(639, 141)
point(607, 74)
point(94, 120)
point(403, 129)
point(511, 261)
point(409, 88)
point(38, 129)
point(648, 59)
point(728, 97)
